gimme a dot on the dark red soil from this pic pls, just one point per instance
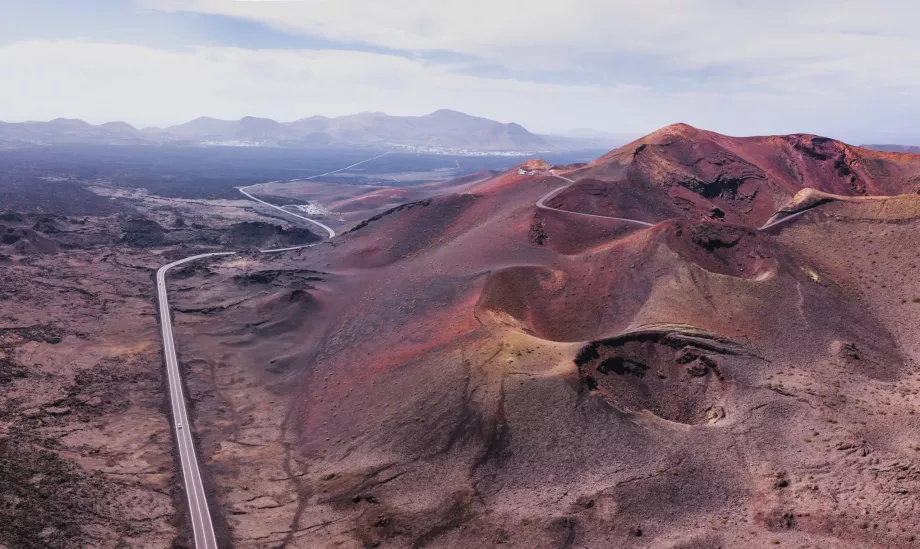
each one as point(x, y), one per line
point(467, 370)
point(480, 372)
point(683, 171)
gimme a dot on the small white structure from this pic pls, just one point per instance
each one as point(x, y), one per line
point(522, 171)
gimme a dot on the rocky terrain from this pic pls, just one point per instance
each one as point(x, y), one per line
point(465, 370)
point(86, 454)
point(682, 171)
point(460, 368)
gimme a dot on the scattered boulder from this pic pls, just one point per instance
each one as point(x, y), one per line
point(266, 235)
point(682, 389)
point(538, 233)
point(57, 410)
point(714, 414)
point(32, 413)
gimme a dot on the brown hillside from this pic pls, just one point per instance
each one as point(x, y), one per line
point(696, 173)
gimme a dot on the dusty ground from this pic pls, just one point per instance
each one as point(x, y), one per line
point(86, 454)
point(85, 444)
point(464, 370)
point(350, 411)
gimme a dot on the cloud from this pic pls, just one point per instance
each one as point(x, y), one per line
point(100, 82)
point(783, 44)
point(832, 67)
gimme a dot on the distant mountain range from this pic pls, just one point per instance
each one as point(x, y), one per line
point(441, 131)
point(894, 148)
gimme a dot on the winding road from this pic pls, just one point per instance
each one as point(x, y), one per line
point(202, 525)
point(541, 204)
point(194, 489)
point(328, 230)
point(200, 514)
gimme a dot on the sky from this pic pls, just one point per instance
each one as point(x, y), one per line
point(844, 69)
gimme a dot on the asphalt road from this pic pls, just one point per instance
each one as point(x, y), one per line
point(770, 225)
point(202, 525)
point(194, 489)
point(200, 514)
point(542, 205)
point(328, 230)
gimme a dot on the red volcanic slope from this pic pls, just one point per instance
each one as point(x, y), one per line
point(683, 171)
point(471, 371)
point(355, 203)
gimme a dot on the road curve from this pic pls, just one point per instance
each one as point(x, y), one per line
point(200, 514)
point(541, 204)
point(202, 526)
point(328, 230)
point(194, 489)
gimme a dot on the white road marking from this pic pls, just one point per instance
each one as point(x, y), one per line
point(202, 527)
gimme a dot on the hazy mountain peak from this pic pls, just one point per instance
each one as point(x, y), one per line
point(207, 119)
point(311, 118)
point(72, 123)
point(441, 129)
point(450, 112)
point(256, 121)
point(119, 126)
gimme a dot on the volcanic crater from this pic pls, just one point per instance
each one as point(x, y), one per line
point(731, 362)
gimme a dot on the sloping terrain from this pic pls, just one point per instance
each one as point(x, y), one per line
point(471, 371)
point(463, 368)
point(352, 204)
point(683, 171)
point(86, 452)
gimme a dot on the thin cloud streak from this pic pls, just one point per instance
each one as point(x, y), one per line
point(834, 68)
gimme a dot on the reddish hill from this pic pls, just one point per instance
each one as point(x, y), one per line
point(683, 171)
point(352, 204)
point(469, 370)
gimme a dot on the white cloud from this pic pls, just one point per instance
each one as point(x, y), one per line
point(101, 82)
point(786, 40)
